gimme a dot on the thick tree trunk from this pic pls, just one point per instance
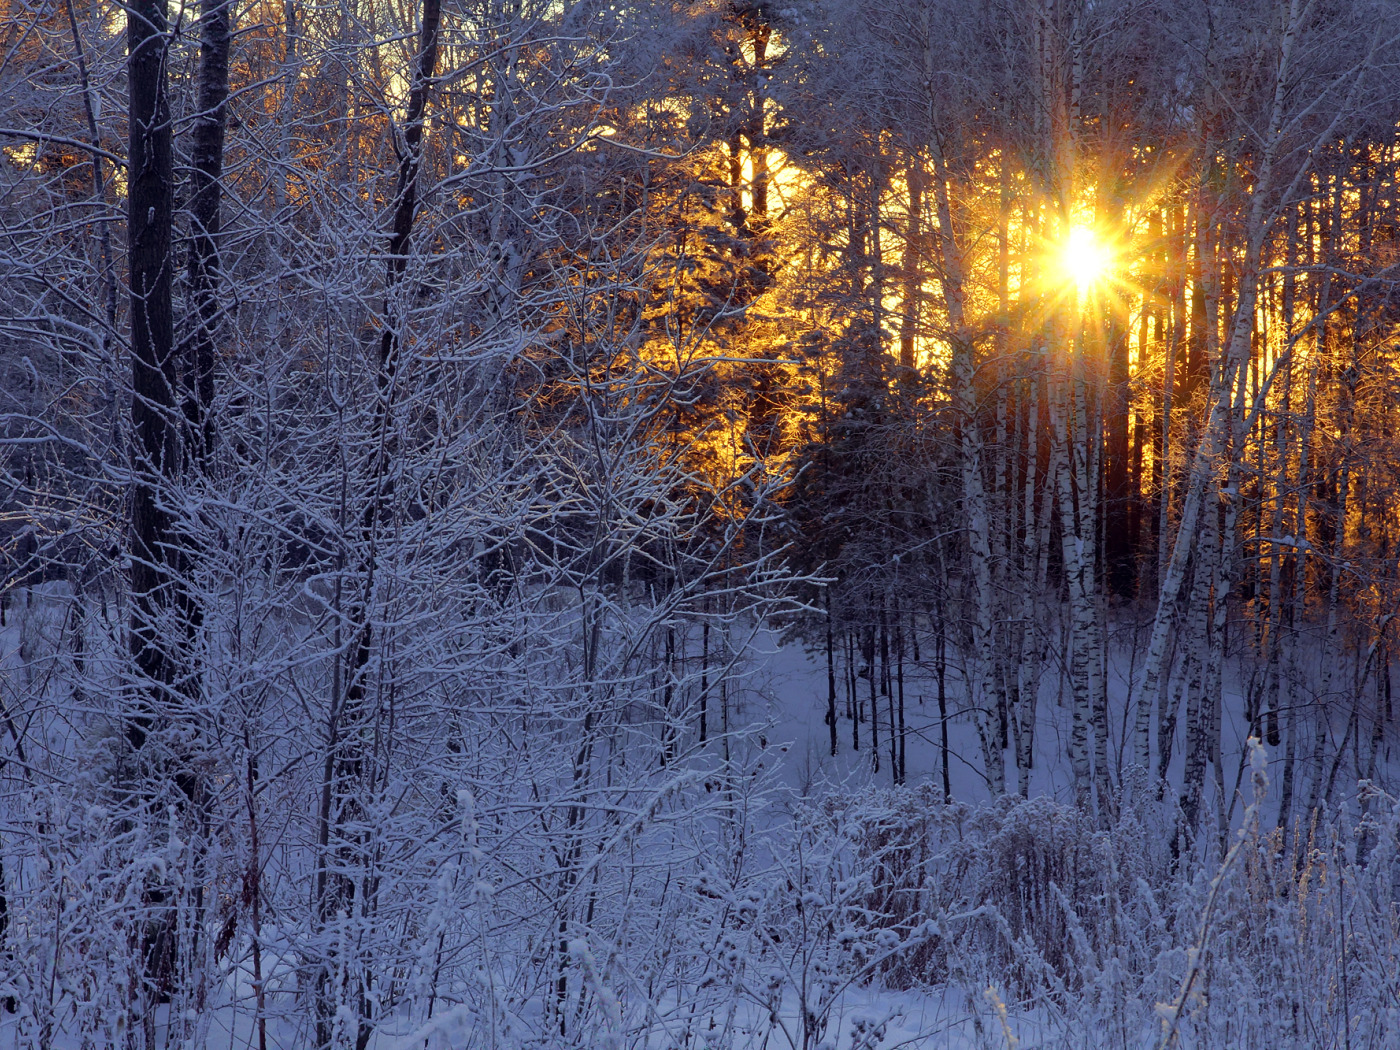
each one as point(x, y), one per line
point(206, 190)
point(979, 553)
point(156, 584)
point(160, 599)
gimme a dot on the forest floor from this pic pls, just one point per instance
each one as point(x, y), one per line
point(785, 704)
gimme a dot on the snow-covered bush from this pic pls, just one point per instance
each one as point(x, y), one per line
point(1102, 929)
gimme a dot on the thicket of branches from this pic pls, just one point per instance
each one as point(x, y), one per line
point(414, 413)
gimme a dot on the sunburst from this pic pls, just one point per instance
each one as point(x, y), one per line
point(1084, 259)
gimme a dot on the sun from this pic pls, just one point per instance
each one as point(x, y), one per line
point(1083, 259)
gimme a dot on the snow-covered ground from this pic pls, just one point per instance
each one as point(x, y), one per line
point(792, 683)
point(1004, 924)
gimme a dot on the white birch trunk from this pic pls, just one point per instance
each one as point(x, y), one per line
point(975, 504)
point(1082, 618)
point(1223, 377)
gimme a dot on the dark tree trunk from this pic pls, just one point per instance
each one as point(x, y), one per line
point(899, 672)
point(206, 192)
point(155, 452)
point(868, 654)
point(346, 771)
point(887, 687)
point(853, 703)
point(405, 209)
point(705, 681)
point(830, 675)
point(941, 668)
point(160, 602)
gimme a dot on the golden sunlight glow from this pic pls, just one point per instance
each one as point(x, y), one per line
point(1083, 259)
point(22, 156)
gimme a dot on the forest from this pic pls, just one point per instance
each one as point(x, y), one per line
point(699, 524)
